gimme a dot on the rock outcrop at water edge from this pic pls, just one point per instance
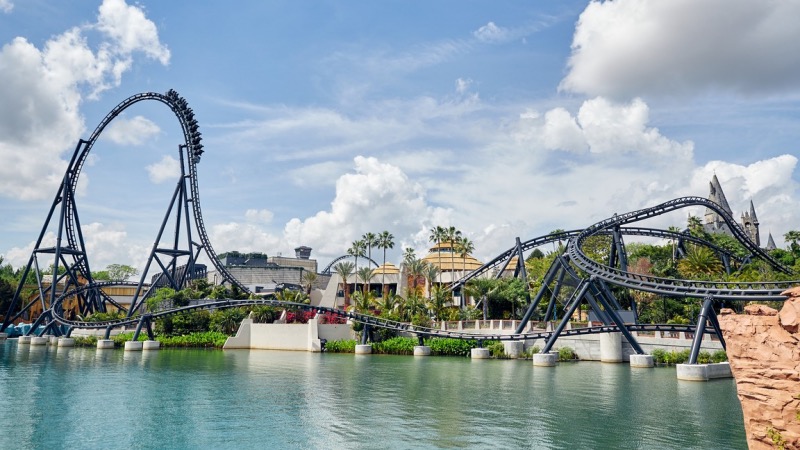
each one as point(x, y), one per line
point(763, 347)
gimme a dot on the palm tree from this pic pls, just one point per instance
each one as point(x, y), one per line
point(430, 272)
point(414, 268)
point(370, 240)
point(362, 302)
point(464, 247)
point(437, 236)
point(344, 269)
point(309, 279)
point(365, 274)
point(793, 237)
point(482, 288)
point(355, 251)
point(408, 255)
point(452, 235)
point(437, 301)
point(695, 226)
point(700, 262)
point(385, 241)
point(674, 240)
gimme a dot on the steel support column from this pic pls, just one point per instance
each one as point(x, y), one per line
point(701, 329)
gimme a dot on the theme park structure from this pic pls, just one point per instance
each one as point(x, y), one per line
point(172, 262)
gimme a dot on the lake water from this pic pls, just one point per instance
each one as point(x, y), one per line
point(189, 399)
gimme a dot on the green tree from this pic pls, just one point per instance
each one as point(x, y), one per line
point(464, 247)
point(357, 250)
point(793, 238)
point(370, 240)
point(452, 235)
point(308, 279)
point(430, 272)
point(344, 269)
point(365, 275)
point(700, 263)
point(385, 242)
point(121, 272)
point(481, 288)
point(362, 302)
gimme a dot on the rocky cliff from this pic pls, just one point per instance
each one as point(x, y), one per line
point(763, 347)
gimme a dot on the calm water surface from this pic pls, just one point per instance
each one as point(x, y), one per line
point(188, 399)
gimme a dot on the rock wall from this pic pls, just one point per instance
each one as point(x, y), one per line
point(763, 348)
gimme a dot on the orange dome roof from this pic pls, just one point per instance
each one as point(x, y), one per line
point(388, 269)
point(442, 257)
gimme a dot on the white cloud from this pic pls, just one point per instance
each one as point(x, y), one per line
point(167, 169)
point(41, 91)
point(259, 215)
point(629, 48)
point(6, 6)
point(462, 85)
point(131, 30)
point(491, 33)
point(245, 237)
point(134, 131)
point(376, 197)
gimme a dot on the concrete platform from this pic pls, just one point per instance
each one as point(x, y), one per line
point(104, 344)
point(24, 340)
point(513, 349)
point(65, 342)
point(363, 349)
point(151, 345)
point(480, 353)
point(643, 361)
point(133, 346)
point(3, 336)
point(422, 350)
point(545, 359)
point(39, 340)
point(703, 372)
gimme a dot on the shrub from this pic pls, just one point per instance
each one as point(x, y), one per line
point(531, 351)
point(567, 354)
point(719, 356)
point(299, 316)
point(85, 341)
point(105, 316)
point(661, 356)
point(395, 346)
point(226, 320)
point(208, 339)
point(341, 346)
point(450, 347)
point(264, 313)
point(497, 349)
point(703, 357)
point(331, 318)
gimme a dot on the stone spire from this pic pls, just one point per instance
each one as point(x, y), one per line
point(771, 243)
point(750, 224)
point(713, 221)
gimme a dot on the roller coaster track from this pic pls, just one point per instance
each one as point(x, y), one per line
point(327, 269)
point(194, 148)
point(366, 319)
point(505, 256)
point(747, 291)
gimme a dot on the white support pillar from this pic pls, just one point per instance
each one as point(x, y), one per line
point(611, 347)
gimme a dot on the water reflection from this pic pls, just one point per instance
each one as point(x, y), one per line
point(264, 399)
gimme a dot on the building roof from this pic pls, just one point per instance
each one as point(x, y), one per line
point(388, 269)
point(442, 257)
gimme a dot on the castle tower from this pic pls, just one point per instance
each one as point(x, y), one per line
point(713, 222)
point(750, 225)
point(770, 243)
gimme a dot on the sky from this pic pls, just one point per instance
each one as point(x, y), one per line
point(325, 120)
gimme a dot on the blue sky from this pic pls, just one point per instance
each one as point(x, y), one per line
point(325, 120)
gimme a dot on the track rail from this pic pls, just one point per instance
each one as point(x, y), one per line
point(194, 148)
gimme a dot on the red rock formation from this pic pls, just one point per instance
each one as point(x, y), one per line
point(763, 348)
